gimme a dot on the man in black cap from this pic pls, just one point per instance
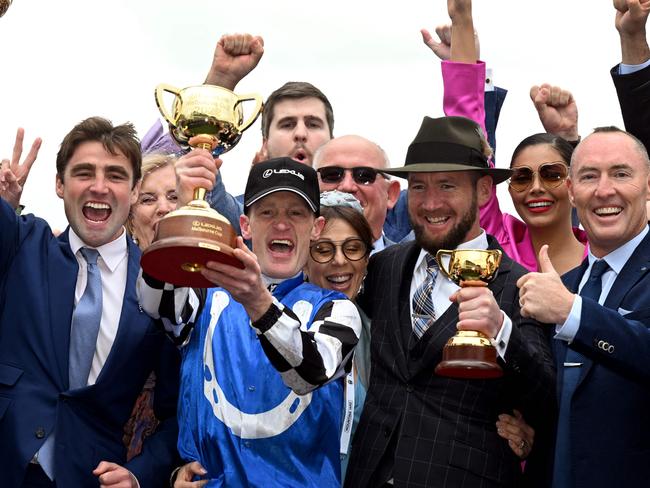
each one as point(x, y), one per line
point(417, 428)
point(260, 405)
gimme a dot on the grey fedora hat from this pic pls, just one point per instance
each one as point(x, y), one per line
point(448, 144)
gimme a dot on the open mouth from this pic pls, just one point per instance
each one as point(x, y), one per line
point(437, 220)
point(281, 246)
point(539, 205)
point(96, 211)
point(608, 211)
point(300, 155)
point(339, 281)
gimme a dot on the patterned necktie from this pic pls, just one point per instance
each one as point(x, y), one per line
point(423, 312)
point(85, 323)
point(571, 374)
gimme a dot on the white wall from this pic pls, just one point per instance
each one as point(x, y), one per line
point(63, 61)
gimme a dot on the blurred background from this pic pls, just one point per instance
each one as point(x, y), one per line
point(64, 61)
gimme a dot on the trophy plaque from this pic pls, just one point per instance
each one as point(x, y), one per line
point(469, 354)
point(212, 118)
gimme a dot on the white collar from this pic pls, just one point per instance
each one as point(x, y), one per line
point(618, 257)
point(112, 253)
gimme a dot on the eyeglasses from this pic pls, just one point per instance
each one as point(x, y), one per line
point(353, 249)
point(551, 176)
point(362, 175)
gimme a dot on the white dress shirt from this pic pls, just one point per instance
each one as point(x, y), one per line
point(443, 288)
point(113, 264)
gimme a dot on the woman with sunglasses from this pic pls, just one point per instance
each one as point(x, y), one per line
point(539, 192)
point(338, 261)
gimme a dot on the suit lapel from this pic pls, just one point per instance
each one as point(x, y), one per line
point(426, 353)
point(572, 282)
point(633, 271)
point(62, 269)
point(401, 276)
point(130, 330)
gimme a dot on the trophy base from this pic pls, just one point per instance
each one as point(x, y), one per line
point(469, 355)
point(186, 240)
point(179, 260)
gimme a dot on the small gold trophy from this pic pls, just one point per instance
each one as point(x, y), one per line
point(469, 354)
point(212, 118)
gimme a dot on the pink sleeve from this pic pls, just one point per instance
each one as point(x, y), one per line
point(464, 87)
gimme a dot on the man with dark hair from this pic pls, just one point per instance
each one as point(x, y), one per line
point(418, 428)
point(601, 315)
point(75, 349)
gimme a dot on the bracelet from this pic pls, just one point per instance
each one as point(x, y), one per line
point(174, 475)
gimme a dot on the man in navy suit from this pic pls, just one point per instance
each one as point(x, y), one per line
point(602, 314)
point(60, 427)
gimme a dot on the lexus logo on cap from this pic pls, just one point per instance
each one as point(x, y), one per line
point(269, 172)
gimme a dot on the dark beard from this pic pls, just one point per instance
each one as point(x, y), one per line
point(454, 237)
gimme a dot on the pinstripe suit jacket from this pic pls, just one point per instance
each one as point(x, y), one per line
point(424, 430)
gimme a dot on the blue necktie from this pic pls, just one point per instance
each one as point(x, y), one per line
point(85, 323)
point(423, 312)
point(562, 471)
point(83, 339)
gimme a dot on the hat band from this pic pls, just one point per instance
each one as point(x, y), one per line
point(445, 152)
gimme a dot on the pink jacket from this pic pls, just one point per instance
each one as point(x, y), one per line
point(464, 86)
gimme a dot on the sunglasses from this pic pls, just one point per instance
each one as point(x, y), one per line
point(353, 249)
point(362, 175)
point(551, 175)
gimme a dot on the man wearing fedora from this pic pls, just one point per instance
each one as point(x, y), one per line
point(417, 428)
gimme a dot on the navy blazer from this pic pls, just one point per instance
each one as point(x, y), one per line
point(610, 421)
point(38, 275)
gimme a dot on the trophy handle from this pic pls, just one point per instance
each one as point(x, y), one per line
point(160, 89)
point(256, 111)
point(439, 255)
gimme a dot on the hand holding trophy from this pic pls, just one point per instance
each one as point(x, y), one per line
point(469, 354)
point(212, 118)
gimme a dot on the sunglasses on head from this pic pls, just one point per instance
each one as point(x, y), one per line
point(353, 249)
point(362, 175)
point(551, 175)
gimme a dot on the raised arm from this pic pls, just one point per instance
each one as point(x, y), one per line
point(557, 110)
point(630, 22)
point(235, 55)
point(14, 173)
point(632, 81)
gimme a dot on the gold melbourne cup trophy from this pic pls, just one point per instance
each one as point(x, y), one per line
point(212, 118)
point(469, 354)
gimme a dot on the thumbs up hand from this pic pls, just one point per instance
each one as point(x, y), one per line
point(542, 295)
